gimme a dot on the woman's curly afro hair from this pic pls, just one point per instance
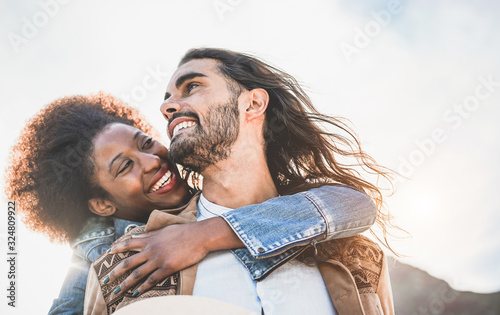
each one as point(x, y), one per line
point(50, 171)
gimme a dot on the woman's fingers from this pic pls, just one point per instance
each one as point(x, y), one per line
point(157, 276)
point(125, 265)
point(130, 244)
point(143, 235)
point(136, 275)
point(161, 253)
point(136, 242)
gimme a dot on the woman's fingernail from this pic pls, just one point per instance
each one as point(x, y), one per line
point(117, 290)
point(106, 280)
point(136, 293)
point(108, 251)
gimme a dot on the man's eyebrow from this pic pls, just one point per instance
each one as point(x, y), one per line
point(188, 76)
point(183, 78)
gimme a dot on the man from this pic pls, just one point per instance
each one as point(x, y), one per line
point(252, 133)
point(203, 108)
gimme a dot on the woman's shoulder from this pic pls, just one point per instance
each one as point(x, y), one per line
point(95, 237)
point(93, 228)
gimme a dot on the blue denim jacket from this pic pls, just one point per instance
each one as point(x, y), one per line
point(273, 233)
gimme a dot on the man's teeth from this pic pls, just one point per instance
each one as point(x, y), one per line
point(163, 181)
point(182, 125)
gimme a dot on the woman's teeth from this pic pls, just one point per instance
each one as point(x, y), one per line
point(165, 180)
point(182, 125)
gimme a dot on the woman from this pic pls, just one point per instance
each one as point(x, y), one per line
point(85, 170)
point(52, 174)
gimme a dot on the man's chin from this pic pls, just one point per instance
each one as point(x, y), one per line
point(191, 165)
point(181, 154)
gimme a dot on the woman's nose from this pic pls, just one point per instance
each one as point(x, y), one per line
point(150, 162)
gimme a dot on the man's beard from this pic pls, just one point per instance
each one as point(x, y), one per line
point(211, 142)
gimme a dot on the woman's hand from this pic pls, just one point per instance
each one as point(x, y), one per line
point(168, 250)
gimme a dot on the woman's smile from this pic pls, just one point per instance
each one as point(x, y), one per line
point(136, 172)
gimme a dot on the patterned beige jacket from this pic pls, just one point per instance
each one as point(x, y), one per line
point(354, 270)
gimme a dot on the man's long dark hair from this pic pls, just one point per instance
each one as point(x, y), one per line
point(300, 153)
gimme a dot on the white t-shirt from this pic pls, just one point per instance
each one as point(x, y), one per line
point(294, 288)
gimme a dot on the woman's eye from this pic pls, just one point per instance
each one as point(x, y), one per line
point(124, 168)
point(147, 143)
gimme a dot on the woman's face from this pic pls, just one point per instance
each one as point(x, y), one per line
point(134, 169)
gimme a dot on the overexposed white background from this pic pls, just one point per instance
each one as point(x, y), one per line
point(409, 75)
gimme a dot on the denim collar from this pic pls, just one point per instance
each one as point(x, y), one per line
point(100, 227)
point(123, 226)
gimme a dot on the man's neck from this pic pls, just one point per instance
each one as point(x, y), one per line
point(242, 179)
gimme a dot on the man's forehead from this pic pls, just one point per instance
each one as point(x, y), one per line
point(207, 67)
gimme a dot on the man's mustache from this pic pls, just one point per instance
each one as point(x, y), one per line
point(183, 114)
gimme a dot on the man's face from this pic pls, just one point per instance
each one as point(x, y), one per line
point(202, 113)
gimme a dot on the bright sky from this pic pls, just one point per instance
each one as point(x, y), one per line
point(419, 80)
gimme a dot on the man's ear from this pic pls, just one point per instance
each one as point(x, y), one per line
point(102, 207)
point(257, 105)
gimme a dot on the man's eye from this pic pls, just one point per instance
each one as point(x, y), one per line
point(191, 86)
point(147, 143)
point(124, 168)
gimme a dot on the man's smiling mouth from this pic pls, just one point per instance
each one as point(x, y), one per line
point(183, 125)
point(180, 123)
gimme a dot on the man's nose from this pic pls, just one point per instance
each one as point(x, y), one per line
point(169, 107)
point(150, 162)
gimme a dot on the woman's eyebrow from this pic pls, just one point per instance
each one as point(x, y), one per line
point(113, 161)
point(136, 135)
